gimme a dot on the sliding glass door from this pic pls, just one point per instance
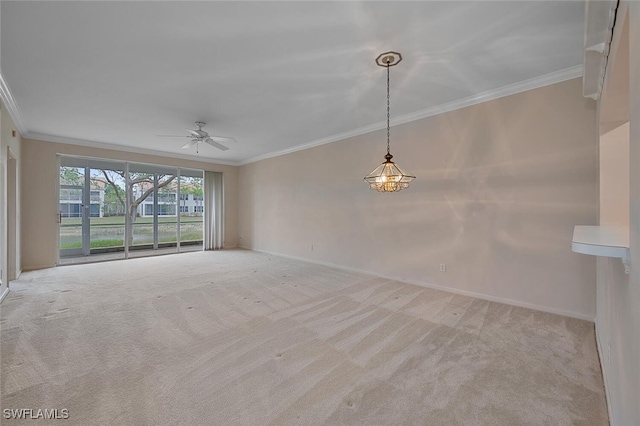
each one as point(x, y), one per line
point(119, 210)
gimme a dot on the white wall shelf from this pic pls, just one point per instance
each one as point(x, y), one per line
point(607, 241)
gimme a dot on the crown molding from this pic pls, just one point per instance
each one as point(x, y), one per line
point(10, 103)
point(123, 148)
point(317, 142)
point(511, 89)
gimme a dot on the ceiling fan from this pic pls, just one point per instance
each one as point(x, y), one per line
point(200, 136)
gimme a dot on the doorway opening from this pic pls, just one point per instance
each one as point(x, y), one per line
point(13, 265)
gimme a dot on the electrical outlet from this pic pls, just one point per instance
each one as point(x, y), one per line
point(311, 247)
point(443, 267)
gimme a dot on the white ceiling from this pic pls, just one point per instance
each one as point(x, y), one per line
point(276, 76)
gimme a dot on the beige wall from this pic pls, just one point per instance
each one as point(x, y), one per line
point(10, 148)
point(40, 205)
point(499, 189)
point(618, 294)
point(614, 176)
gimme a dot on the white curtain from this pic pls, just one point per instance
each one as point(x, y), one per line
point(213, 208)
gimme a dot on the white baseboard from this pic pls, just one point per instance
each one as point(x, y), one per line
point(482, 296)
point(600, 345)
point(4, 294)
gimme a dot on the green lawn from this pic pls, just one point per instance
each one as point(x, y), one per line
point(192, 236)
point(94, 244)
point(109, 231)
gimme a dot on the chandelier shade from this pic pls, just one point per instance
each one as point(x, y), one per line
point(388, 176)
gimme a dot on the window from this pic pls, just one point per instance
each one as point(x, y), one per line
point(166, 198)
point(94, 211)
point(166, 210)
point(95, 196)
point(70, 210)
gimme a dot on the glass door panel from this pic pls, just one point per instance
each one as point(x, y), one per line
point(153, 197)
point(141, 210)
point(107, 212)
point(191, 211)
point(73, 226)
point(167, 206)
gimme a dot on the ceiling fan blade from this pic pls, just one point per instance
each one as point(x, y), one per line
point(198, 133)
point(224, 139)
point(216, 144)
point(191, 144)
point(172, 136)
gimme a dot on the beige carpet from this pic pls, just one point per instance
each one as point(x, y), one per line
point(243, 338)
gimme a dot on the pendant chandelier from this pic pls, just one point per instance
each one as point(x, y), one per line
point(388, 176)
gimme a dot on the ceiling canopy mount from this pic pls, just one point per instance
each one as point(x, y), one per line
point(388, 59)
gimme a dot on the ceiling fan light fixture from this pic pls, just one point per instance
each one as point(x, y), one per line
point(388, 176)
point(200, 136)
